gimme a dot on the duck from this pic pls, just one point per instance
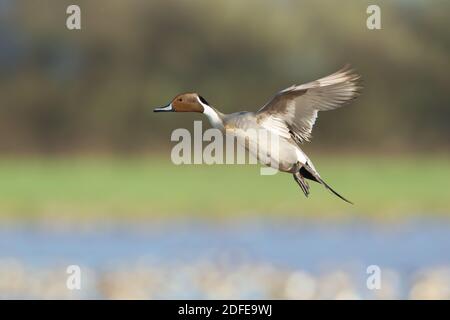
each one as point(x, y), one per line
point(290, 115)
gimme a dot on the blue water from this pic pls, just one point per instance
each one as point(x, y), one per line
point(405, 246)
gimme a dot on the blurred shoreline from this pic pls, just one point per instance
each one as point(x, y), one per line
point(141, 188)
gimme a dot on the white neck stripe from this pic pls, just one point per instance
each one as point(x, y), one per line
point(212, 115)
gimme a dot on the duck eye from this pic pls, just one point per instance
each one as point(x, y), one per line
point(180, 99)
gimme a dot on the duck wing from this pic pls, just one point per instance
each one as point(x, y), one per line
point(292, 112)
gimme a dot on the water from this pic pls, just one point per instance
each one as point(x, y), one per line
point(248, 259)
point(406, 246)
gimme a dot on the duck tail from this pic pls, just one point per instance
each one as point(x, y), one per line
point(308, 172)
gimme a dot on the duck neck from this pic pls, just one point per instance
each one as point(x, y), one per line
point(213, 115)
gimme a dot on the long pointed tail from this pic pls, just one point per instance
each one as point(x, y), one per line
point(309, 173)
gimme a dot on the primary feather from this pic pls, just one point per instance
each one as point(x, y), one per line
point(292, 112)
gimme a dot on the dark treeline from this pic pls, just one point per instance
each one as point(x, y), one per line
point(93, 90)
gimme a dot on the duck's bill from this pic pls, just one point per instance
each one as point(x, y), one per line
point(167, 108)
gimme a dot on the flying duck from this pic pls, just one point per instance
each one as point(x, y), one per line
point(290, 115)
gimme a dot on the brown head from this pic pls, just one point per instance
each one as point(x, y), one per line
point(185, 102)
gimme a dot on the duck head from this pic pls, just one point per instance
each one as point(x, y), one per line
point(185, 102)
point(193, 102)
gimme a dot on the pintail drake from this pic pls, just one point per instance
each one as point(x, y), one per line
point(290, 115)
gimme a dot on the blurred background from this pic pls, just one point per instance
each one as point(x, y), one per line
point(86, 176)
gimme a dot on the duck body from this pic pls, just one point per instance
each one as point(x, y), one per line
point(284, 156)
point(274, 133)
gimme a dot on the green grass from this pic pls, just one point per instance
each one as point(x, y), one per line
point(87, 188)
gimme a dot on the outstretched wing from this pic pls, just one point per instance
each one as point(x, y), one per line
point(292, 112)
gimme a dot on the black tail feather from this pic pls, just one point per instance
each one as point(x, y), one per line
point(334, 192)
point(309, 173)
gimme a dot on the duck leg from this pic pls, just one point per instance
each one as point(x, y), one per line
point(302, 183)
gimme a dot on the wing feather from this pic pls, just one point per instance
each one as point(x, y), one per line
point(294, 109)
